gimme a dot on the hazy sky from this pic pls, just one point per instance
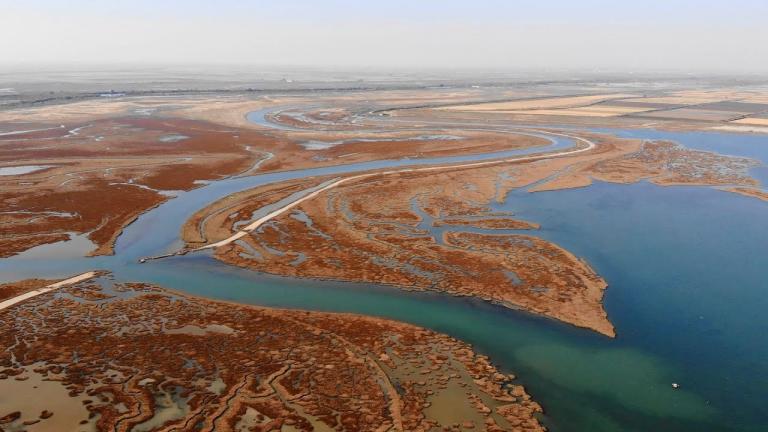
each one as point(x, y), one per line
point(692, 35)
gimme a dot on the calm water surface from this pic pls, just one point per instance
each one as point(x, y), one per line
point(687, 268)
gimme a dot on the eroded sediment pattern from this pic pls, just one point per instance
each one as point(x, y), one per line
point(380, 229)
point(99, 175)
point(664, 163)
point(101, 164)
point(126, 356)
point(436, 230)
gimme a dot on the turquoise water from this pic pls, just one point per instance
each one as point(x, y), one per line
point(687, 268)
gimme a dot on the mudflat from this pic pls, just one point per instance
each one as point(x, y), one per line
point(234, 366)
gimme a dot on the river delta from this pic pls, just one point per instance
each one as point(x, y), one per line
point(440, 249)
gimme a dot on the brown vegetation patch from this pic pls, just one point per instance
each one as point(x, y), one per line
point(289, 154)
point(663, 163)
point(99, 209)
point(272, 370)
point(12, 289)
point(366, 230)
point(105, 173)
point(215, 221)
point(489, 223)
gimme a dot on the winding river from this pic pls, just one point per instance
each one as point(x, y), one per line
point(687, 269)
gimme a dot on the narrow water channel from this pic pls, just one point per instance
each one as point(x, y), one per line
point(687, 269)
